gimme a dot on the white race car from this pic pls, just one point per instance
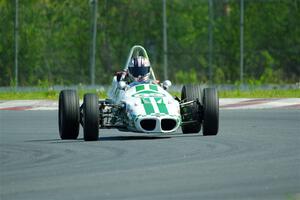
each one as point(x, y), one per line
point(146, 108)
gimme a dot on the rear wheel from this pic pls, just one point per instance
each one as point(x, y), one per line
point(210, 112)
point(90, 117)
point(191, 117)
point(68, 114)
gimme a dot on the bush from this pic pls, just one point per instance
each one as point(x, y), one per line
point(186, 76)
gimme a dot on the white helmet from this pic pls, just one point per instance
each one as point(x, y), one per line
point(139, 68)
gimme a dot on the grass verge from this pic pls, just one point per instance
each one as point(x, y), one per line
point(53, 95)
point(50, 95)
point(275, 93)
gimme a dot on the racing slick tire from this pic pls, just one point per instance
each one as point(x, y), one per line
point(191, 115)
point(90, 117)
point(210, 112)
point(68, 114)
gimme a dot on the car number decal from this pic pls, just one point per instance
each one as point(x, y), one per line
point(147, 105)
point(161, 105)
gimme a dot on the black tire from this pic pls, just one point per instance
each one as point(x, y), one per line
point(68, 114)
point(210, 112)
point(90, 117)
point(191, 113)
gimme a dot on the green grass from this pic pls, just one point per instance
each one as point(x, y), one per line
point(53, 95)
point(275, 93)
point(290, 93)
point(50, 95)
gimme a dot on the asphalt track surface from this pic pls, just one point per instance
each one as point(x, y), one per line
point(255, 156)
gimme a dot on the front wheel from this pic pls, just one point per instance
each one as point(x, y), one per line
point(191, 116)
point(68, 114)
point(90, 117)
point(210, 112)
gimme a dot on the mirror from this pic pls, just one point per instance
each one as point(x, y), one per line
point(122, 85)
point(166, 84)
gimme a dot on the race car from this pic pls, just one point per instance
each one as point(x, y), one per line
point(145, 107)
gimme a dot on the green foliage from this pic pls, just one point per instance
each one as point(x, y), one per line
point(43, 83)
point(186, 76)
point(270, 76)
point(55, 40)
point(219, 76)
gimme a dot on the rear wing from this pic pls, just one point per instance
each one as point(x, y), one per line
point(136, 51)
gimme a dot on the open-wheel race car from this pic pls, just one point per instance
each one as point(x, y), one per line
point(139, 106)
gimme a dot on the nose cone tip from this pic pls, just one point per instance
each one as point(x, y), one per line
point(157, 124)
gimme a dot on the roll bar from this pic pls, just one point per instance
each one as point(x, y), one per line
point(137, 50)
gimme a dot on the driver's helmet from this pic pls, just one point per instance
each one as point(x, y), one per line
point(139, 69)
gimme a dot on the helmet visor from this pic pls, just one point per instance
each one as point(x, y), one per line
point(139, 71)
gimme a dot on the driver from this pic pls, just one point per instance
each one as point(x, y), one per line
point(138, 71)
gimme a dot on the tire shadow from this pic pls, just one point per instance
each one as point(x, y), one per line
point(103, 139)
point(127, 138)
point(116, 138)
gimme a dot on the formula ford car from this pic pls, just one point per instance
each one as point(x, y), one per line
point(145, 108)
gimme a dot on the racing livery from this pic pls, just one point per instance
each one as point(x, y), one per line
point(140, 105)
point(149, 108)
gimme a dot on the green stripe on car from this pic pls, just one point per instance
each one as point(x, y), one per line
point(153, 87)
point(139, 87)
point(147, 105)
point(161, 105)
